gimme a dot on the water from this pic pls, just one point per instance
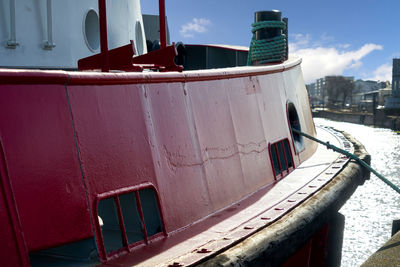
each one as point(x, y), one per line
point(372, 208)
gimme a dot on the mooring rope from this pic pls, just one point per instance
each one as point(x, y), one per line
point(267, 50)
point(352, 156)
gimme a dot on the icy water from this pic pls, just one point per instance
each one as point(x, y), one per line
point(372, 208)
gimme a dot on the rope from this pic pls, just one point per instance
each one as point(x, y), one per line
point(352, 156)
point(267, 50)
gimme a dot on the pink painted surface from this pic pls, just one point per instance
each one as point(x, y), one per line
point(40, 152)
point(201, 138)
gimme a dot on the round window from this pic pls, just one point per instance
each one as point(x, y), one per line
point(295, 124)
point(91, 30)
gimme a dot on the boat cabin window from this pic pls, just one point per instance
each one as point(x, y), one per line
point(92, 30)
point(128, 219)
point(281, 158)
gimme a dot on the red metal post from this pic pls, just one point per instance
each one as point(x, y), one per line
point(163, 28)
point(121, 222)
point(139, 206)
point(103, 36)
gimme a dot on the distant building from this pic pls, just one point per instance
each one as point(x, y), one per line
point(361, 86)
point(396, 77)
point(317, 91)
point(392, 104)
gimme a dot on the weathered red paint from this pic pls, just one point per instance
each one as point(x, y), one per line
point(75, 136)
point(42, 162)
point(13, 250)
point(313, 253)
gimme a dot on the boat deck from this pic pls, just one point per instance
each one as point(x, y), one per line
point(226, 228)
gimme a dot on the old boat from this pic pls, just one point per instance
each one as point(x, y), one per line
point(124, 159)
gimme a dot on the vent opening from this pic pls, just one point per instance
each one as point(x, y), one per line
point(127, 218)
point(281, 158)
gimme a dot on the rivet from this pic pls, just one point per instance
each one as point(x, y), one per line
point(291, 200)
point(265, 218)
point(279, 209)
point(203, 250)
point(248, 227)
point(175, 264)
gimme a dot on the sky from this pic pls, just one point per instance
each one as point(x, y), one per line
point(353, 38)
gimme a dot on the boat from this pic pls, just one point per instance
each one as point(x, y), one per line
point(111, 153)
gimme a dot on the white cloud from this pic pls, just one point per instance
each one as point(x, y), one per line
point(195, 26)
point(320, 60)
point(382, 73)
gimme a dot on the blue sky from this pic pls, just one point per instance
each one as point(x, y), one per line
point(353, 38)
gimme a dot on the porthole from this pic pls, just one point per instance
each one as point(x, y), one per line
point(91, 30)
point(139, 38)
point(294, 123)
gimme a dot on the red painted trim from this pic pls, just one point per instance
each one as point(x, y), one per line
point(291, 154)
point(33, 77)
point(11, 209)
point(277, 157)
point(139, 207)
point(121, 222)
point(9, 76)
point(99, 234)
point(163, 28)
point(284, 156)
point(103, 36)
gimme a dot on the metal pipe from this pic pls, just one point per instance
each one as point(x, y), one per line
point(163, 28)
point(12, 41)
point(49, 43)
point(103, 36)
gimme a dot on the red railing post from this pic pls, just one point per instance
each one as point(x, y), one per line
point(103, 36)
point(163, 28)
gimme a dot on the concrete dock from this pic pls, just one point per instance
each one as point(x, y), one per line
point(387, 255)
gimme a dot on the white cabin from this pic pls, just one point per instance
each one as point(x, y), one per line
point(55, 34)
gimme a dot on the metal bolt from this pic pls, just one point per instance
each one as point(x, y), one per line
point(175, 264)
point(203, 250)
